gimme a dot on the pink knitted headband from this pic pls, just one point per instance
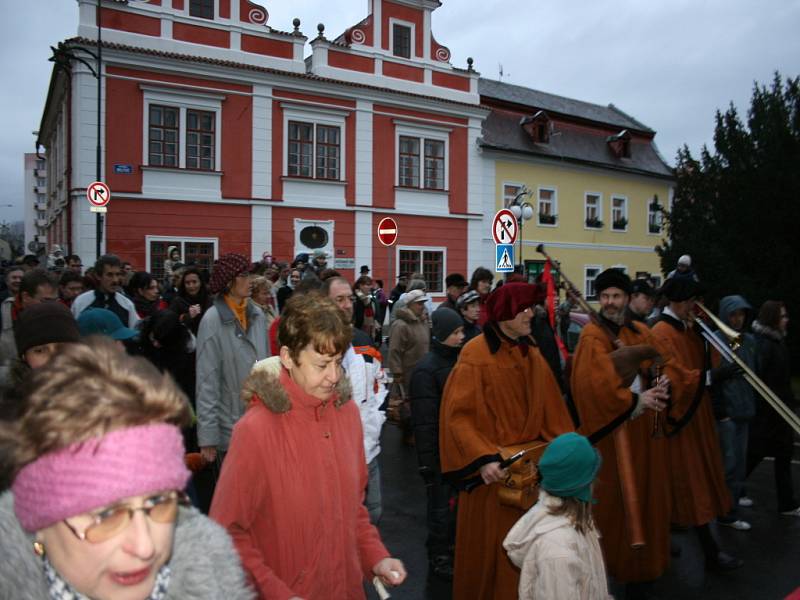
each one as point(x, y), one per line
point(97, 472)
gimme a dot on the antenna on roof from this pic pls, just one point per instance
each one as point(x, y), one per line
point(502, 73)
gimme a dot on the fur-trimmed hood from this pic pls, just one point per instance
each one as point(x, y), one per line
point(768, 331)
point(265, 384)
point(406, 315)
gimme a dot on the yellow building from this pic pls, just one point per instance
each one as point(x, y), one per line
point(593, 180)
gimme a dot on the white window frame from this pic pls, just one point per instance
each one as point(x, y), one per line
point(659, 218)
point(586, 268)
point(328, 225)
point(599, 197)
point(421, 249)
point(507, 199)
point(183, 100)
point(625, 213)
point(315, 116)
point(182, 240)
point(413, 44)
point(553, 201)
point(422, 132)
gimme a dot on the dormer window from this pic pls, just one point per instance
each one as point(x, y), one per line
point(201, 8)
point(401, 40)
point(620, 144)
point(538, 127)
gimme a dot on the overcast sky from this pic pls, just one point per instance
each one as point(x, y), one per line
point(668, 64)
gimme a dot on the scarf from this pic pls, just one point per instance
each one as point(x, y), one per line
point(144, 308)
point(239, 310)
point(61, 590)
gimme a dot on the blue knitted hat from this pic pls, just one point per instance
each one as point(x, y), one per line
point(568, 467)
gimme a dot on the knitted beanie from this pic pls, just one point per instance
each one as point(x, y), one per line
point(44, 323)
point(444, 322)
point(227, 267)
point(568, 467)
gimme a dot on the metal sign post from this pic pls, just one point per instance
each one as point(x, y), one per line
point(387, 235)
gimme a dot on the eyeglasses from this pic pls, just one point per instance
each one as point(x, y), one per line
point(161, 508)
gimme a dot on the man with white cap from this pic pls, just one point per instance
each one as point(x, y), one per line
point(684, 269)
point(408, 342)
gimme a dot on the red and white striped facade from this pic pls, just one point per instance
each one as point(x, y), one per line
point(235, 96)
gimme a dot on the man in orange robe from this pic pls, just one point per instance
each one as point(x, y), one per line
point(500, 393)
point(699, 493)
point(606, 403)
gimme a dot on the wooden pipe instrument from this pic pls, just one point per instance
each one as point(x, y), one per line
point(626, 361)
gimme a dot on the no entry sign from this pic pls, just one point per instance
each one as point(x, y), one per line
point(387, 231)
point(504, 227)
point(98, 193)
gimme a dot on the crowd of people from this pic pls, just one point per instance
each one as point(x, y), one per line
point(239, 411)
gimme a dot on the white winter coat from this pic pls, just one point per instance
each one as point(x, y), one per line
point(363, 376)
point(557, 562)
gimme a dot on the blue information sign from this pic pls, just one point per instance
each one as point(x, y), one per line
point(504, 258)
point(123, 169)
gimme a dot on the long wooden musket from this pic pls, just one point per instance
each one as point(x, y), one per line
point(626, 360)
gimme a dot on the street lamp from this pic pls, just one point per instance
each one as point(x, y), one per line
point(523, 211)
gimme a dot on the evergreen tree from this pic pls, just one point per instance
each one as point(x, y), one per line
point(737, 211)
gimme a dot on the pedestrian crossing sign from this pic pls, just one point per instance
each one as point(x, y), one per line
point(504, 258)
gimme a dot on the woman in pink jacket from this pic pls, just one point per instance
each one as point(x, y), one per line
point(291, 493)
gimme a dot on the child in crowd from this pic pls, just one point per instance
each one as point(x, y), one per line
point(555, 543)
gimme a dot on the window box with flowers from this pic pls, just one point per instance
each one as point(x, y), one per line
point(594, 223)
point(620, 224)
point(545, 219)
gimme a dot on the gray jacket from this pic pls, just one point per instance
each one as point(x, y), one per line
point(734, 398)
point(204, 562)
point(225, 356)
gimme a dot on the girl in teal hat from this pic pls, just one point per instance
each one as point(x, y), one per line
point(555, 543)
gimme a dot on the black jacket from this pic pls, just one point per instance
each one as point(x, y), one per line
point(770, 435)
point(471, 330)
point(427, 385)
point(283, 295)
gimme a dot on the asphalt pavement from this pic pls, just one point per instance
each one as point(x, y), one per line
point(771, 550)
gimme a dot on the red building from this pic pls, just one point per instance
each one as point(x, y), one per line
point(219, 136)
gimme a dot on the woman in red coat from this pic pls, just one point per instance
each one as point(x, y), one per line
point(291, 493)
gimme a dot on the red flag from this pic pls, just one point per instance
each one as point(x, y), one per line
point(547, 278)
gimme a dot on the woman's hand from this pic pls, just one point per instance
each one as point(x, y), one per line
point(391, 571)
point(209, 453)
point(194, 310)
point(491, 472)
